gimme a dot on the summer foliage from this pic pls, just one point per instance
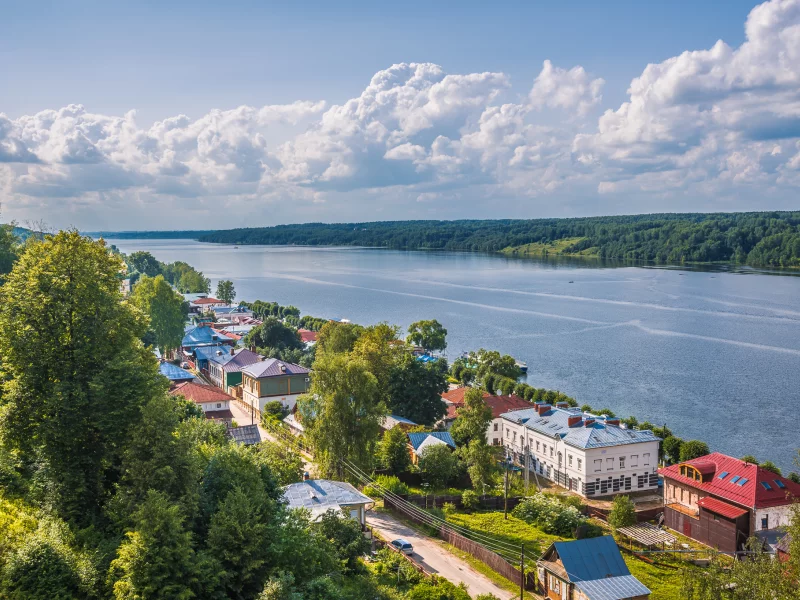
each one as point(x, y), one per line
point(766, 238)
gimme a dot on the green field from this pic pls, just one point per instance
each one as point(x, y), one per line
point(556, 248)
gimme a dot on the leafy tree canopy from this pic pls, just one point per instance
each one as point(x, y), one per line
point(165, 308)
point(429, 334)
point(226, 291)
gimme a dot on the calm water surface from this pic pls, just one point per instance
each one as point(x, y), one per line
point(713, 355)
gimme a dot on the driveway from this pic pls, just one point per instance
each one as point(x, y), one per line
point(435, 559)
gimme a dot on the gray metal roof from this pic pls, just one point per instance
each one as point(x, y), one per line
point(598, 435)
point(245, 434)
point(613, 588)
point(271, 367)
point(203, 336)
point(321, 495)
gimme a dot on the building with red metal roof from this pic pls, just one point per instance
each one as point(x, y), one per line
point(214, 402)
point(722, 501)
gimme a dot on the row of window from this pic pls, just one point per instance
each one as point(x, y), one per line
point(611, 462)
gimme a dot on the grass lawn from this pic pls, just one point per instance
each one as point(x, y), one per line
point(557, 247)
point(512, 531)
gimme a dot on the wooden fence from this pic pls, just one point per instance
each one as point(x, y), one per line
point(649, 514)
point(491, 559)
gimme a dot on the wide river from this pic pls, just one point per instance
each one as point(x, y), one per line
point(713, 355)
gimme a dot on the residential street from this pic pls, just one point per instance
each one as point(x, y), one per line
point(433, 558)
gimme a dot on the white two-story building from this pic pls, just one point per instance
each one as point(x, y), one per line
point(588, 454)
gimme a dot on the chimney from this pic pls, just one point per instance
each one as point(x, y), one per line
point(562, 405)
point(282, 367)
point(306, 476)
point(574, 421)
point(588, 422)
point(543, 409)
point(233, 350)
point(614, 422)
point(219, 352)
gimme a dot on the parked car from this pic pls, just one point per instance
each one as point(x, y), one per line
point(184, 365)
point(403, 546)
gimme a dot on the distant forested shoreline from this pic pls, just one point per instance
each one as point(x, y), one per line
point(768, 239)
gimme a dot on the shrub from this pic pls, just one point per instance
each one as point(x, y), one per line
point(448, 508)
point(623, 513)
point(386, 482)
point(550, 515)
point(470, 500)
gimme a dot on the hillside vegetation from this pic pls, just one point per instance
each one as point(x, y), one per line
point(759, 239)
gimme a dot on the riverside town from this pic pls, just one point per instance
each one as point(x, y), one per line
point(159, 435)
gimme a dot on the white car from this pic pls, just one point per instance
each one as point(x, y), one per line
point(403, 546)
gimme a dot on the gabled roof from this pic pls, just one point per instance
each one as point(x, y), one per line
point(231, 363)
point(391, 421)
point(206, 300)
point(203, 336)
point(174, 372)
point(419, 440)
point(595, 566)
point(504, 404)
point(307, 336)
point(231, 310)
point(321, 495)
point(218, 354)
point(245, 434)
point(200, 392)
point(723, 476)
point(271, 367)
point(721, 508)
point(600, 434)
point(456, 396)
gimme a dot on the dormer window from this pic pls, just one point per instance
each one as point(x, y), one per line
point(690, 472)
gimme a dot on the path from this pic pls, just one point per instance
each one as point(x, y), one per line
point(435, 559)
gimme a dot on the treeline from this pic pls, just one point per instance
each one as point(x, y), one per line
point(183, 276)
point(756, 238)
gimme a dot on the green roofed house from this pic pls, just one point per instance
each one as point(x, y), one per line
point(272, 379)
point(588, 569)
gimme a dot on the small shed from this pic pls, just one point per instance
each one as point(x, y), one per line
point(318, 496)
point(245, 434)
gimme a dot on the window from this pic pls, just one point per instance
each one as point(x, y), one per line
point(779, 483)
point(723, 475)
point(742, 481)
point(508, 433)
point(219, 405)
point(765, 522)
point(734, 479)
point(609, 464)
point(766, 485)
point(621, 462)
point(634, 460)
point(551, 451)
point(579, 463)
point(537, 446)
point(495, 426)
point(598, 465)
point(646, 459)
point(570, 460)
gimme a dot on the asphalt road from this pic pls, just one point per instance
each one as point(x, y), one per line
point(435, 559)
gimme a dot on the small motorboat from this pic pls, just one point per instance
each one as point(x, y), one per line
point(522, 366)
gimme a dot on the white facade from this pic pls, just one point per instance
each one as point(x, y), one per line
point(593, 457)
point(773, 517)
point(212, 406)
point(252, 400)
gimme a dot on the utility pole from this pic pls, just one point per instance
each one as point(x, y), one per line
point(522, 573)
point(505, 495)
point(527, 468)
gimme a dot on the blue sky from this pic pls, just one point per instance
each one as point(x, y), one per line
point(488, 130)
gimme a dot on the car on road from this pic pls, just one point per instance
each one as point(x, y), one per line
point(403, 546)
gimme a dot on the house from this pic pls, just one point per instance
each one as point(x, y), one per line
point(318, 496)
point(233, 314)
point(498, 404)
point(245, 434)
point(226, 363)
point(392, 421)
point(273, 379)
point(592, 455)
point(721, 501)
point(203, 335)
point(587, 569)
point(174, 373)
point(308, 337)
point(205, 304)
point(292, 421)
point(214, 402)
point(417, 442)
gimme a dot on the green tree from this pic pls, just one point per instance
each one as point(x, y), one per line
point(671, 446)
point(472, 419)
point(428, 334)
point(346, 536)
point(285, 464)
point(693, 449)
point(749, 458)
point(342, 415)
point(9, 247)
point(377, 347)
point(337, 337)
point(75, 372)
point(491, 361)
point(156, 561)
point(144, 263)
point(770, 466)
point(226, 291)
point(481, 461)
point(393, 451)
point(438, 465)
point(273, 334)
point(623, 512)
point(280, 587)
point(273, 411)
point(416, 388)
point(155, 298)
point(193, 282)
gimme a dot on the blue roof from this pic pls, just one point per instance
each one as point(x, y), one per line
point(416, 439)
point(591, 558)
point(400, 419)
point(174, 373)
point(203, 336)
point(227, 310)
point(210, 353)
point(598, 435)
point(613, 588)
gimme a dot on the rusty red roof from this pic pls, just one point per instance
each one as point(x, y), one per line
point(307, 335)
point(456, 396)
point(208, 301)
point(504, 404)
point(721, 508)
point(737, 481)
point(200, 392)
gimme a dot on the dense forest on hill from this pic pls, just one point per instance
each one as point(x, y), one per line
point(759, 239)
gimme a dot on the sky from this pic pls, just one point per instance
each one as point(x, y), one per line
point(147, 115)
